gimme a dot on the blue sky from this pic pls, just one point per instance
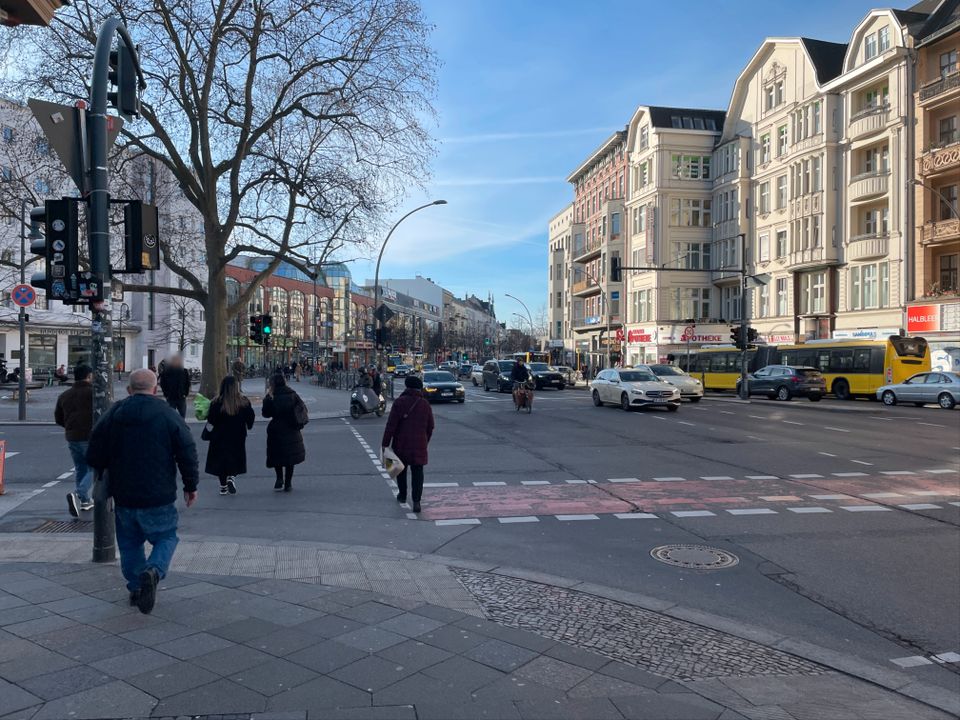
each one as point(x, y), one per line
point(529, 88)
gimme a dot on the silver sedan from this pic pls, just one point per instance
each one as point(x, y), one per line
point(690, 388)
point(942, 388)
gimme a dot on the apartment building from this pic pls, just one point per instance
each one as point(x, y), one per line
point(670, 216)
point(598, 231)
point(933, 309)
point(559, 302)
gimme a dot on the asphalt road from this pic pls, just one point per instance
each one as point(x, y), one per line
point(844, 515)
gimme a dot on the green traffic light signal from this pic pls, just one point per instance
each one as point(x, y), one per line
point(267, 325)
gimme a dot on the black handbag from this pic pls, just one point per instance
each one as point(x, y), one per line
point(207, 433)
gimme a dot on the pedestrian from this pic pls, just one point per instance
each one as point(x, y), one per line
point(238, 369)
point(375, 376)
point(287, 415)
point(297, 370)
point(141, 442)
point(230, 417)
point(74, 413)
point(408, 431)
point(175, 384)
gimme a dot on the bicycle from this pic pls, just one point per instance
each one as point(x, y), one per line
point(523, 396)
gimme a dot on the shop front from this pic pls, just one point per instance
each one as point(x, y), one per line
point(939, 324)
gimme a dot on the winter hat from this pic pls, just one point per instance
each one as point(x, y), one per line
point(413, 382)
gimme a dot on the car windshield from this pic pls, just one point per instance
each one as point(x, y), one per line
point(666, 370)
point(506, 366)
point(637, 376)
point(539, 367)
point(429, 367)
point(438, 377)
point(403, 367)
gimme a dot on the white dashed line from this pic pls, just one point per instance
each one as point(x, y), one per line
point(51, 483)
point(576, 482)
point(412, 515)
point(806, 476)
point(64, 476)
point(931, 424)
point(835, 429)
point(458, 521)
point(636, 516)
point(669, 479)
point(830, 497)
point(490, 483)
point(757, 417)
point(441, 484)
point(920, 506)
point(762, 477)
point(809, 510)
point(865, 508)
point(948, 657)
point(534, 482)
point(623, 480)
point(955, 503)
point(911, 661)
point(521, 519)
point(780, 498)
point(726, 412)
point(681, 422)
point(849, 474)
point(655, 417)
point(924, 492)
point(897, 472)
point(874, 496)
point(861, 462)
point(715, 477)
point(576, 517)
point(693, 513)
point(791, 422)
point(826, 454)
point(942, 471)
point(752, 511)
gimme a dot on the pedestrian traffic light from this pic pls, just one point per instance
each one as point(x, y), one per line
point(752, 335)
point(256, 329)
point(486, 341)
point(266, 323)
point(141, 223)
point(123, 76)
point(53, 236)
point(615, 274)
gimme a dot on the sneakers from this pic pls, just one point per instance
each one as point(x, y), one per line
point(147, 596)
point(86, 505)
point(231, 485)
point(75, 505)
point(223, 489)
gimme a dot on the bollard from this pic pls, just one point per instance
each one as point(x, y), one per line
point(104, 529)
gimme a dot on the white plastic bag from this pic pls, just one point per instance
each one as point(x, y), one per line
point(391, 463)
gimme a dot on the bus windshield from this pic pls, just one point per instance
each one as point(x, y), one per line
point(909, 346)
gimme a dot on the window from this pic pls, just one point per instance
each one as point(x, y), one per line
point(693, 256)
point(731, 303)
point(691, 167)
point(763, 247)
point(781, 243)
point(690, 212)
point(781, 140)
point(781, 296)
point(876, 160)
point(763, 301)
point(815, 119)
point(774, 94)
point(948, 63)
point(642, 301)
point(948, 202)
point(781, 192)
point(870, 286)
point(615, 224)
point(948, 130)
point(816, 232)
point(875, 221)
point(870, 47)
point(883, 39)
point(876, 97)
point(764, 204)
point(949, 269)
point(884, 284)
point(691, 303)
point(816, 173)
point(644, 137)
point(765, 148)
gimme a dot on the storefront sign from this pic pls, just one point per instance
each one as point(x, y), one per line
point(777, 339)
point(556, 343)
point(641, 335)
point(704, 334)
point(865, 334)
point(923, 318)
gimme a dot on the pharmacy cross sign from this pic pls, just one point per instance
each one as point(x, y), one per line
point(23, 295)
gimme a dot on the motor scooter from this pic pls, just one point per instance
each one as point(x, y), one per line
point(364, 400)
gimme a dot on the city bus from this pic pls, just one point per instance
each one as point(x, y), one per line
point(851, 368)
point(529, 357)
point(393, 361)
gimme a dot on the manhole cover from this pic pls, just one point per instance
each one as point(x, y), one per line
point(65, 526)
point(700, 557)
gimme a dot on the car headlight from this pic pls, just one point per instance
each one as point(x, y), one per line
point(430, 389)
point(696, 382)
point(637, 392)
point(504, 377)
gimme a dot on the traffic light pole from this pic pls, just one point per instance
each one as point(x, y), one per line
point(22, 317)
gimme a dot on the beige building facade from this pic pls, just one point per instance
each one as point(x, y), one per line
point(560, 341)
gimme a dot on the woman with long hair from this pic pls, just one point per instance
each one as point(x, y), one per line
point(231, 416)
point(287, 415)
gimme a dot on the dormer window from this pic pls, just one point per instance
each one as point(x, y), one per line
point(644, 137)
point(773, 94)
point(876, 43)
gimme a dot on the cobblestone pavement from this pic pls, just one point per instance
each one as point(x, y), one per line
point(662, 645)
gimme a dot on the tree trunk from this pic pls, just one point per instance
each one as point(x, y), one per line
point(215, 333)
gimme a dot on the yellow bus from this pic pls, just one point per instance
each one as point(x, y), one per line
point(393, 361)
point(529, 357)
point(851, 368)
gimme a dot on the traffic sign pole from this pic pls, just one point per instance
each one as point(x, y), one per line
point(22, 317)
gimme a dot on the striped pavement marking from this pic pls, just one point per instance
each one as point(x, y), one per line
point(920, 506)
point(880, 495)
point(587, 516)
point(806, 476)
point(623, 480)
point(520, 519)
point(576, 482)
point(942, 471)
point(636, 516)
point(458, 521)
point(830, 497)
point(669, 479)
point(763, 477)
point(780, 498)
point(955, 503)
point(441, 484)
point(490, 483)
point(911, 661)
point(51, 483)
point(64, 476)
point(9, 455)
point(865, 508)
point(835, 429)
point(948, 657)
point(752, 511)
point(809, 510)
point(693, 513)
point(850, 474)
point(715, 477)
point(534, 482)
point(862, 462)
point(897, 472)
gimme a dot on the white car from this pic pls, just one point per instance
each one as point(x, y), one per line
point(477, 375)
point(633, 387)
point(690, 388)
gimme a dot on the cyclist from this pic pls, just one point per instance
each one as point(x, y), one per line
point(519, 375)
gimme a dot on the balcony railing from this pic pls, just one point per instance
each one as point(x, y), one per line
point(869, 120)
point(940, 159)
point(868, 185)
point(586, 321)
point(585, 286)
point(940, 231)
point(868, 246)
point(586, 248)
point(811, 256)
point(941, 85)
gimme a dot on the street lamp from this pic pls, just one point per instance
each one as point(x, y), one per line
point(945, 199)
point(376, 278)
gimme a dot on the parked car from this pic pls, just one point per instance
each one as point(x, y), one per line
point(545, 376)
point(476, 374)
point(442, 386)
point(690, 388)
point(496, 375)
point(785, 382)
point(942, 388)
point(402, 370)
point(569, 374)
point(633, 387)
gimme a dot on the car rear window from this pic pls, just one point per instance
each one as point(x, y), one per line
point(807, 372)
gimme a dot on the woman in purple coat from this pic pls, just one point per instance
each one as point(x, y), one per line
point(409, 429)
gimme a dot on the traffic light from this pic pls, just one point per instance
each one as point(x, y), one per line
point(736, 335)
point(266, 327)
point(615, 274)
point(141, 237)
point(123, 76)
point(58, 245)
point(752, 335)
point(486, 341)
point(256, 329)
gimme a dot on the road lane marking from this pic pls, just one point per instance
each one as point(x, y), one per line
point(780, 498)
point(911, 661)
point(920, 506)
point(752, 511)
point(565, 518)
point(931, 424)
point(576, 482)
point(521, 519)
point(724, 412)
point(865, 508)
point(757, 417)
point(64, 476)
point(489, 483)
point(636, 516)
point(754, 437)
point(9, 455)
point(948, 657)
point(897, 472)
point(924, 492)
point(623, 480)
point(942, 471)
point(681, 422)
point(953, 502)
point(806, 476)
point(669, 479)
point(826, 453)
point(861, 462)
point(534, 482)
point(693, 513)
point(458, 521)
point(762, 477)
point(873, 496)
point(830, 497)
point(715, 477)
point(791, 422)
point(655, 417)
point(809, 510)
point(835, 429)
point(849, 474)
point(51, 483)
point(441, 484)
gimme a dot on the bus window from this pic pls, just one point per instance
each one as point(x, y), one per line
point(876, 360)
point(807, 358)
point(823, 360)
point(861, 360)
point(841, 360)
point(909, 346)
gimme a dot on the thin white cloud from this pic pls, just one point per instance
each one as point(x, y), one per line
point(473, 182)
point(497, 137)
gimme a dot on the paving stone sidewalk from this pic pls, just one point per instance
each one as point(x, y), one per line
point(233, 647)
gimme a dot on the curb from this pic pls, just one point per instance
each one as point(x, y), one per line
point(26, 423)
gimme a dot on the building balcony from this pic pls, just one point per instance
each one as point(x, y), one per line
point(586, 251)
point(725, 275)
point(940, 86)
point(811, 257)
point(869, 185)
point(868, 246)
point(585, 288)
point(938, 159)
point(590, 322)
point(868, 121)
point(940, 231)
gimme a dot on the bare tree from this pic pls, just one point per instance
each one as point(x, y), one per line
point(184, 326)
point(291, 126)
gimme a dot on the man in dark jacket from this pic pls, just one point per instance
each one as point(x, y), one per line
point(141, 443)
point(409, 429)
point(175, 384)
point(74, 413)
point(519, 372)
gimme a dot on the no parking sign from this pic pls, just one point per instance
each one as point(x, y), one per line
point(23, 295)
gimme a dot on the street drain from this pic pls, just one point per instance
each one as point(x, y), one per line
point(65, 526)
point(699, 557)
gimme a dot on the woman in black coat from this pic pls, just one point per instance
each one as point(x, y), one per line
point(230, 417)
point(284, 442)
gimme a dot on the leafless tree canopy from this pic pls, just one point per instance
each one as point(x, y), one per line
point(290, 125)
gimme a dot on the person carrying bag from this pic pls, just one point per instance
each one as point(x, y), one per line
point(408, 432)
point(229, 419)
point(288, 415)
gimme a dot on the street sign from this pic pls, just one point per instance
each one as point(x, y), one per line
point(615, 295)
point(368, 331)
point(383, 314)
point(23, 295)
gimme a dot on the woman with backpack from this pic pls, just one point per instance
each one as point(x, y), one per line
point(229, 418)
point(287, 415)
point(409, 429)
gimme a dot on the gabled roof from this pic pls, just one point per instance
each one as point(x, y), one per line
point(907, 17)
point(689, 118)
point(826, 57)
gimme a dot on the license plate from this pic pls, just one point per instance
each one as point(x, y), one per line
point(555, 382)
point(447, 392)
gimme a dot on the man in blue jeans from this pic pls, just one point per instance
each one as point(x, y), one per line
point(141, 442)
point(74, 413)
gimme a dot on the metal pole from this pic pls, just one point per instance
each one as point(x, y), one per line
point(744, 320)
point(22, 317)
